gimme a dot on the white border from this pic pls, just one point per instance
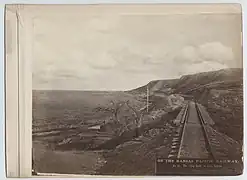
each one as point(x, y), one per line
point(25, 92)
point(12, 110)
point(19, 94)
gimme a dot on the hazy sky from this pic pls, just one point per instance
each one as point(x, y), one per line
point(104, 50)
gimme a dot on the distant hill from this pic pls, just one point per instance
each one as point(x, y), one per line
point(187, 83)
point(228, 76)
point(157, 85)
point(221, 92)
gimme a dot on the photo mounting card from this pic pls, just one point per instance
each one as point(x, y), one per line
point(134, 89)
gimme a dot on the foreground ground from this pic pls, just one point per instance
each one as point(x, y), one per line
point(64, 143)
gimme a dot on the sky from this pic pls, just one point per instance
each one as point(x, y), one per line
point(115, 49)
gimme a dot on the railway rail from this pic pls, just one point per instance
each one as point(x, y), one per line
point(191, 139)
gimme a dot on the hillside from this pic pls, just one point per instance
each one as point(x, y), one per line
point(187, 83)
point(221, 92)
point(157, 85)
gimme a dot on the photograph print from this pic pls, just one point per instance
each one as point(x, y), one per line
point(137, 90)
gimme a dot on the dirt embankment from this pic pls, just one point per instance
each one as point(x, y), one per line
point(225, 107)
point(227, 112)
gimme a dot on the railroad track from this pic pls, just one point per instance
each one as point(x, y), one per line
point(191, 139)
point(206, 135)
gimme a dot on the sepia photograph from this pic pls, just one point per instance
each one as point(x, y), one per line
point(137, 90)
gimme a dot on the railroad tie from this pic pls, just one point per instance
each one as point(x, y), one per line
point(174, 147)
point(174, 151)
point(171, 156)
